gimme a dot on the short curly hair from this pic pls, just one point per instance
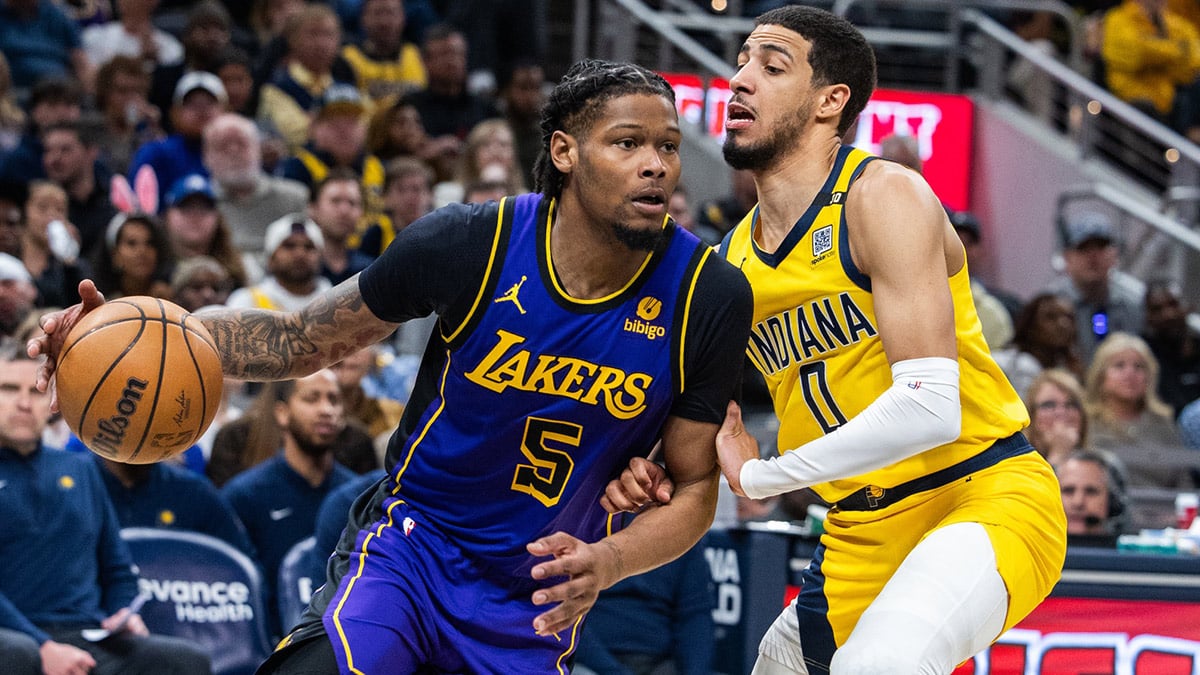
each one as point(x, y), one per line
point(576, 101)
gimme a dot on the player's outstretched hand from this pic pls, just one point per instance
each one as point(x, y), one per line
point(641, 483)
point(55, 327)
point(589, 568)
point(735, 447)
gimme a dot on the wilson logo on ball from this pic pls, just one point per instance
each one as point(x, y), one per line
point(111, 430)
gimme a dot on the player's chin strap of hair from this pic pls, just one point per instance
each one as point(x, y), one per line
point(919, 411)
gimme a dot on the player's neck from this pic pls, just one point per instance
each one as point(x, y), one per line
point(788, 187)
point(587, 258)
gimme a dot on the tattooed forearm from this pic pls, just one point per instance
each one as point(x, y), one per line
point(266, 345)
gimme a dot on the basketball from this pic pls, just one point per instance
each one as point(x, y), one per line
point(139, 380)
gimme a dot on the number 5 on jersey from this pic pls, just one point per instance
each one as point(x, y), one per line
point(549, 468)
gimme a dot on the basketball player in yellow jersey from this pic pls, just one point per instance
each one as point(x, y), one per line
point(947, 527)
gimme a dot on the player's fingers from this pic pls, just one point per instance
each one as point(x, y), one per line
point(614, 499)
point(636, 488)
point(557, 543)
point(664, 490)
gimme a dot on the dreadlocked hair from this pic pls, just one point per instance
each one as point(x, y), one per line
point(576, 101)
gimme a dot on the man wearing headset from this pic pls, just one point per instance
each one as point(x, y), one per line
point(1093, 496)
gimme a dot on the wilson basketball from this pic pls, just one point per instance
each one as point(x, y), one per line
point(139, 379)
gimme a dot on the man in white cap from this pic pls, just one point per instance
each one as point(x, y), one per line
point(17, 295)
point(1101, 306)
point(199, 98)
point(293, 247)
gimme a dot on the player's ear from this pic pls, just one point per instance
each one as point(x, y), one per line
point(282, 415)
point(564, 151)
point(833, 100)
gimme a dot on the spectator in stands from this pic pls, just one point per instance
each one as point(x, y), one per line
point(1093, 495)
point(63, 565)
point(278, 500)
point(680, 209)
point(134, 34)
point(12, 220)
point(200, 281)
point(293, 247)
point(385, 66)
point(336, 207)
point(12, 117)
point(481, 191)
point(17, 296)
point(52, 260)
point(205, 37)
point(379, 416)
point(396, 131)
point(41, 42)
point(1127, 418)
point(51, 102)
point(500, 34)
point(447, 108)
point(195, 227)
point(522, 94)
point(720, 215)
point(1151, 60)
point(167, 496)
point(269, 22)
point(134, 258)
point(236, 71)
point(1174, 344)
point(488, 156)
point(1044, 336)
point(993, 314)
point(297, 86)
point(903, 150)
point(130, 120)
point(70, 151)
point(252, 438)
point(1101, 306)
point(1189, 425)
point(966, 225)
point(1057, 424)
point(199, 99)
point(337, 139)
point(657, 622)
point(248, 198)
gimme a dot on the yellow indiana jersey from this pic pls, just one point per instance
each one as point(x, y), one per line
point(816, 341)
point(386, 79)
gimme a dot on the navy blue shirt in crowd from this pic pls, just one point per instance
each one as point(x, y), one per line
point(62, 559)
point(279, 508)
point(174, 498)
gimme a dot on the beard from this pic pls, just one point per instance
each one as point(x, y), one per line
point(764, 154)
point(310, 445)
point(638, 239)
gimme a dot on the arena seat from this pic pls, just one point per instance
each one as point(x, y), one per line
point(296, 583)
point(202, 589)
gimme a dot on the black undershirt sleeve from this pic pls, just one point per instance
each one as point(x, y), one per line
point(715, 347)
point(436, 264)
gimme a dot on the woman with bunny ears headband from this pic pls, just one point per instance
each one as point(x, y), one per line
point(135, 257)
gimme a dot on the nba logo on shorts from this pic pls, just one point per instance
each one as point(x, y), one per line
point(822, 240)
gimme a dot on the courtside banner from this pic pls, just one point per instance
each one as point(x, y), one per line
point(1095, 636)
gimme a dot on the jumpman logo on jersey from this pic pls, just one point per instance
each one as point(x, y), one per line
point(511, 295)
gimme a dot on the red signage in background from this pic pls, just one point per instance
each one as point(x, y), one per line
point(941, 124)
point(689, 96)
point(1092, 636)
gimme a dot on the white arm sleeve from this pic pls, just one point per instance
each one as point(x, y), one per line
point(919, 411)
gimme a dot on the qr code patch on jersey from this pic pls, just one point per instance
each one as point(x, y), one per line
point(822, 240)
